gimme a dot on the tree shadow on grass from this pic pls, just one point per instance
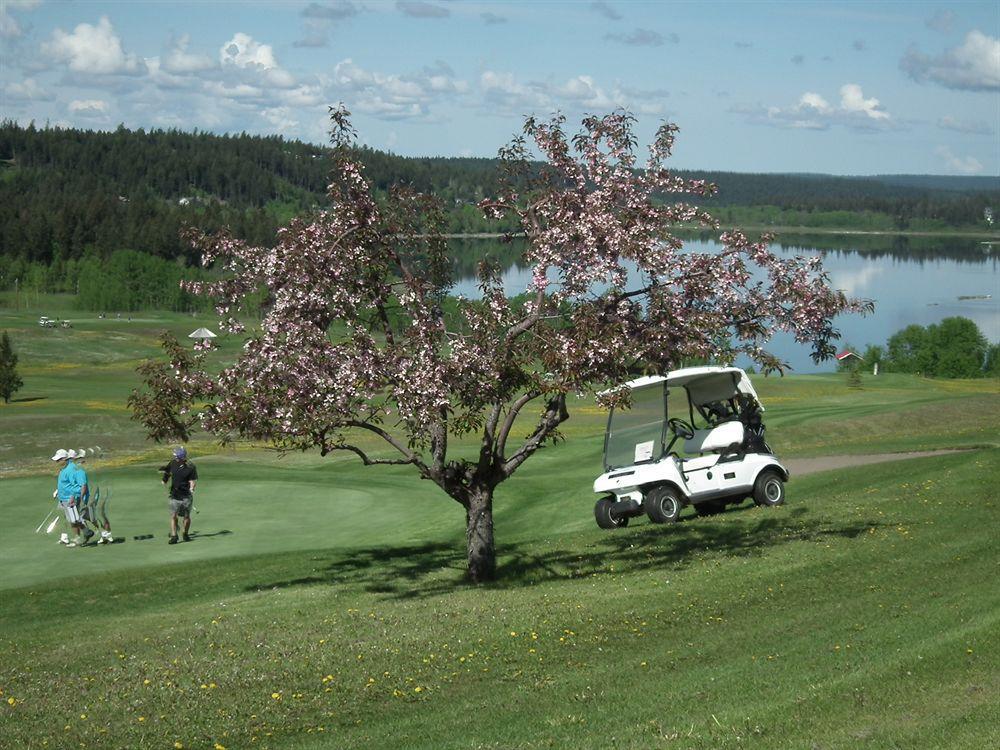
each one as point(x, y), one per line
point(27, 399)
point(432, 569)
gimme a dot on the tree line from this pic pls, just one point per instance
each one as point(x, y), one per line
point(953, 348)
point(68, 194)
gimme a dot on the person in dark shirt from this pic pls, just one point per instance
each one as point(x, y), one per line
point(182, 476)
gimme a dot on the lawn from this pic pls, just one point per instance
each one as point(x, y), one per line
point(322, 604)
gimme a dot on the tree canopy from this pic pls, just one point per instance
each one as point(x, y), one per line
point(953, 348)
point(355, 344)
point(10, 381)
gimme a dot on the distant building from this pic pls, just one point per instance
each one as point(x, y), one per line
point(847, 356)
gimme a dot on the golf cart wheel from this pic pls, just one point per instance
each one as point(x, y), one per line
point(769, 489)
point(663, 505)
point(605, 519)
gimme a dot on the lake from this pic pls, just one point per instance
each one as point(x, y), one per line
point(912, 280)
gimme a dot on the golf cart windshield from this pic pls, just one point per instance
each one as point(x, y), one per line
point(635, 435)
point(639, 434)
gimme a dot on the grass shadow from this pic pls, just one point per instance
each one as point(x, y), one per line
point(432, 569)
point(27, 399)
point(203, 535)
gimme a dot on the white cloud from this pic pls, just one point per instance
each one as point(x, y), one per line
point(810, 100)
point(93, 50)
point(813, 112)
point(88, 107)
point(973, 66)
point(392, 96)
point(965, 126)
point(227, 90)
point(505, 91)
point(244, 54)
point(179, 61)
point(579, 93)
point(280, 119)
point(960, 164)
point(853, 100)
point(28, 90)
point(303, 96)
point(164, 80)
point(9, 27)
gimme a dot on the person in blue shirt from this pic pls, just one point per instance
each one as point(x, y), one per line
point(68, 492)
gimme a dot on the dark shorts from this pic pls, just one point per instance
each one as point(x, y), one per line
point(181, 505)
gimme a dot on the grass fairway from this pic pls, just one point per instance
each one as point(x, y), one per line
point(863, 613)
point(322, 604)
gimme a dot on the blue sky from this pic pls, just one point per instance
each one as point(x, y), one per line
point(836, 87)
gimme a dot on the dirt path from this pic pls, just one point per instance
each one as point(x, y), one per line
point(802, 466)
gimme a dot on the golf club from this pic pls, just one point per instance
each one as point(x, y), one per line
point(46, 519)
point(52, 525)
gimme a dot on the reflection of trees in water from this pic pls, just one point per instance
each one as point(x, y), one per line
point(912, 248)
point(469, 252)
point(898, 247)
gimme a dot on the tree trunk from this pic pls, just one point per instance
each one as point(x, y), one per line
point(481, 550)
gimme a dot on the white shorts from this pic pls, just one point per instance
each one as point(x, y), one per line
point(71, 511)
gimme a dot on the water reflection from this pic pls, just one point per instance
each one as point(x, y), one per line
point(912, 280)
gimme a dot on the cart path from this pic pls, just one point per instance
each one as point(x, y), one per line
point(802, 466)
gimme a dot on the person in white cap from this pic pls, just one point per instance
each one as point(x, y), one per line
point(68, 493)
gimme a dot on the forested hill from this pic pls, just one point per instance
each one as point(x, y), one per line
point(65, 193)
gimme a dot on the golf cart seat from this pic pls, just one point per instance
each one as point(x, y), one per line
point(718, 439)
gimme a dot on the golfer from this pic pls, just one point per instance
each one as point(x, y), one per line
point(182, 476)
point(68, 493)
point(88, 503)
point(83, 491)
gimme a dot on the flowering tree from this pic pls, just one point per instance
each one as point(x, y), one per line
point(355, 349)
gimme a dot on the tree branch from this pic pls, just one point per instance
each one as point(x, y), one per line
point(515, 409)
point(489, 433)
point(368, 461)
point(411, 457)
point(439, 444)
point(554, 415)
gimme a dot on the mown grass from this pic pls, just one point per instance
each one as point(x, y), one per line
point(863, 613)
point(322, 604)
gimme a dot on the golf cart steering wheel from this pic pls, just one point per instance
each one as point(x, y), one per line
point(681, 428)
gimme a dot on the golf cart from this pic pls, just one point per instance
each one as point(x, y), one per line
point(694, 437)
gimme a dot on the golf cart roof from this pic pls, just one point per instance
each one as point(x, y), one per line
point(704, 384)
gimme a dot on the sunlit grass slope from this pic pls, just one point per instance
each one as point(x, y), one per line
point(863, 613)
point(322, 604)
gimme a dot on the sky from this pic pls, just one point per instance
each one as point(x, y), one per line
point(827, 87)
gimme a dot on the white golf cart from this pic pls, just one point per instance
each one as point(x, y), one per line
point(712, 416)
